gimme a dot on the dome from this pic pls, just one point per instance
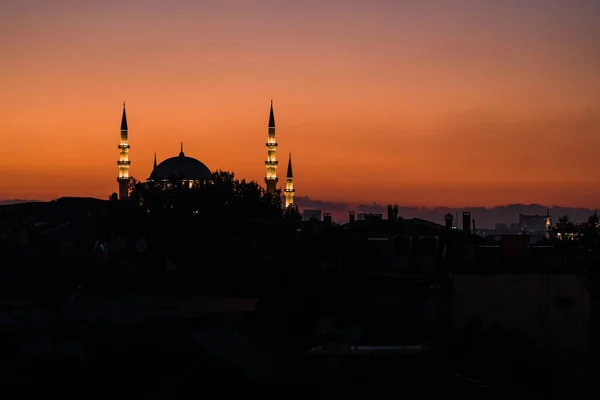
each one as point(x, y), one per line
point(182, 167)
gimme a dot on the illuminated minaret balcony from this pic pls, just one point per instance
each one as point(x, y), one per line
point(271, 163)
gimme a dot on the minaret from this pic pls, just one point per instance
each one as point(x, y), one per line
point(289, 185)
point(123, 162)
point(271, 163)
point(153, 172)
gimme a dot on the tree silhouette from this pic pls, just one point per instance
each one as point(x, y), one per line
point(132, 183)
point(593, 220)
point(113, 197)
point(590, 231)
point(223, 198)
point(291, 213)
point(565, 226)
point(136, 190)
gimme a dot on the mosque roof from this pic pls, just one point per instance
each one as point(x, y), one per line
point(182, 167)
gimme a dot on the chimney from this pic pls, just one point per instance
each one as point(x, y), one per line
point(351, 216)
point(449, 221)
point(466, 222)
point(327, 219)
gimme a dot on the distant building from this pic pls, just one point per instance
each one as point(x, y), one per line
point(535, 223)
point(401, 246)
point(369, 216)
point(311, 214)
point(501, 227)
point(514, 227)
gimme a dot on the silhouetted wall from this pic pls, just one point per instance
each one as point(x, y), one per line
point(551, 309)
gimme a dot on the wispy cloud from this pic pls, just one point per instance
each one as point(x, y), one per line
point(17, 201)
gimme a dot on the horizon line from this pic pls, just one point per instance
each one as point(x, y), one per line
point(336, 203)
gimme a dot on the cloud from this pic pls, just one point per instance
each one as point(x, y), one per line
point(305, 202)
point(17, 201)
point(484, 217)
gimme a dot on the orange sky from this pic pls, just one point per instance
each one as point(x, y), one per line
point(463, 103)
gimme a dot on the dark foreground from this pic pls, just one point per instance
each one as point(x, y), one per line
point(173, 362)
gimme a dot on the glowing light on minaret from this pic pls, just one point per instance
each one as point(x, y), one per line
point(123, 162)
point(271, 163)
point(289, 185)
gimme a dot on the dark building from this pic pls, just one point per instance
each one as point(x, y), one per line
point(466, 222)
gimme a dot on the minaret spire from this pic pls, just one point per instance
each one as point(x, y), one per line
point(271, 117)
point(152, 176)
point(181, 153)
point(271, 163)
point(123, 163)
point(289, 185)
point(124, 119)
point(289, 170)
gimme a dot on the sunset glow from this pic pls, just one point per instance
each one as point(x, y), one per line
point(426, 103)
